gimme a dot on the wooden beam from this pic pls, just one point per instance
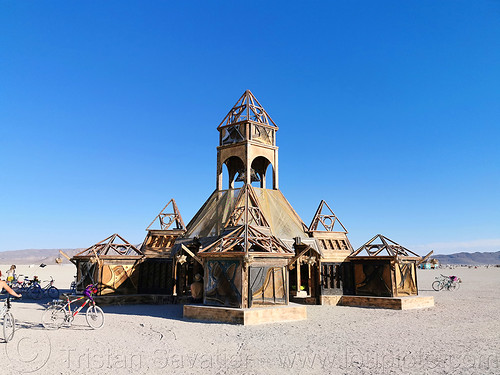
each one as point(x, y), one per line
point(425, 258)
point(67, 257)
point(192, 254)
point(290, 262)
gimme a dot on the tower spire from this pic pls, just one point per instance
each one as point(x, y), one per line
point(247, 143)
point(247, 108)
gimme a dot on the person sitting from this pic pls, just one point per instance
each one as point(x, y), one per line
point(3, 285)
point(197, 288)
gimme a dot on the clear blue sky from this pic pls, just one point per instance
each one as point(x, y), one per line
point(388, 110)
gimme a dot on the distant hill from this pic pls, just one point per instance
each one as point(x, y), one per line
point(48, 256)
point(470, 258)
point(35, 256)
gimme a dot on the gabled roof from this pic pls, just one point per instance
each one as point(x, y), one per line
point(383, 246)
point(247, 108)
point(325, 219)
point(165, 219)
point(247, 229)
point(113, 246)
point(215, 213)
point(247, 204)
point(257, 240)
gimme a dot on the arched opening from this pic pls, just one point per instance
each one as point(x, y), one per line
point(261, 166)
point(235, 166)
point(225, 177)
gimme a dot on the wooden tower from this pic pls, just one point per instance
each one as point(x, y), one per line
point(247, 144)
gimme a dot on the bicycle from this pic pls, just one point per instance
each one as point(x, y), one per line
point(72, 287)
point(8, 321)
point(35, 291)
point(22, 285)
point(59, 312)
point(446, 282)
point(26, 286)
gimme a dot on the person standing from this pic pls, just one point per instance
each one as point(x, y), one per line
point(3, 285)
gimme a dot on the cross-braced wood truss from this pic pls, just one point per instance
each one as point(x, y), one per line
point(247, 202)
point(380, 246)
point(166, 219)
point(251, 229)
point(257, 241)
point(325, 216)
point(114, 245)
point(247, 108)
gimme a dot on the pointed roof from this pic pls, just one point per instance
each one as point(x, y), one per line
point(247, 202)
point(247, 108)
point(212, 217)
point(247, 229)
point(257, 240)
point(325, 217)
point(165, 219)
point(383, 246)
point(114, 245)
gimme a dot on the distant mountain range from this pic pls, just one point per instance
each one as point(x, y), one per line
point(35, 256)
point(48, 256)
point(470, 258)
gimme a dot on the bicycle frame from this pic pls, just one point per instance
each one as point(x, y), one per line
point(75, 312)
point(60, 312)
point(5, 307)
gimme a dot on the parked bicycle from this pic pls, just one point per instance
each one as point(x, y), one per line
point(22, 284)
point(446, 282)
point(35, 291)
point(59, 313)
point(25, 285)
point(72, 287)
point(8, 321)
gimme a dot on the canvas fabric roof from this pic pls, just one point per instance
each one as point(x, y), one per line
point(282, 218)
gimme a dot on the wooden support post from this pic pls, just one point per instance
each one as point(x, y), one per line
point(174, 290)
point(309, 280)
point(298, 275)
point(219, 172)
point(275, 171)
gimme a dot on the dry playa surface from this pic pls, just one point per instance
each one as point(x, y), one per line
point(460, 335)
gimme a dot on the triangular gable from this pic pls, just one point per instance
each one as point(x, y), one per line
point(247, 202)
point(252, 228)
point(166, 218)
point(247, 108)
point(383, 246)
point(211, 218)
point(325, 220)
point(114, 245)
point(257, 240)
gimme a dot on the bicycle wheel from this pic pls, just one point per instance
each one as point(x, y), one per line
point(35, 292)
point(9, 326)
point(95, 317)
point(53, 292)
point(437, 286)
point(54, 317)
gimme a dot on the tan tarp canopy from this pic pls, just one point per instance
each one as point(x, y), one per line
point(283, 220)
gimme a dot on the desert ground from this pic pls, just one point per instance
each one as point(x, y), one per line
point(460, 335)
